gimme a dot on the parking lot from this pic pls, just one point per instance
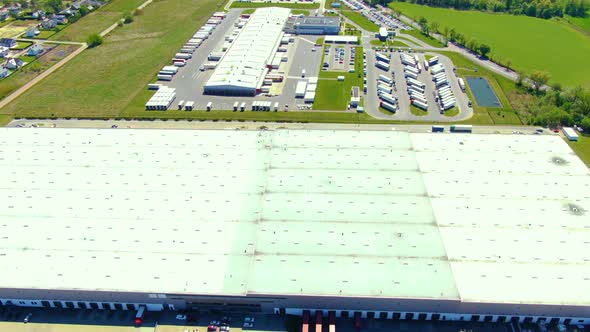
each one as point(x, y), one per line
point(302, 54)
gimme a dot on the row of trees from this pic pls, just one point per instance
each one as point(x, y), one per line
point(428, 28)
point(535, 8)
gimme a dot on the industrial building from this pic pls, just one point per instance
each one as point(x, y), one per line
point(242, 69)
point(313, 25)
point(383, 224)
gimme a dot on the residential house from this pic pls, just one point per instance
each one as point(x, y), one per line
point(4, 14)
point(32, 32)
point(4, 72)
point(38, 14)
point(8, 42)
point(48, 24)
point(15, 9)
point(35, 50)
point(4, 51)
point(60, 19)
point(14, 63)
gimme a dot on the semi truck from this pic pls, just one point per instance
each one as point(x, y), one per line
point(385, 79)
point(410, 75)
point(461, 128)
point(461, 84)
point(433, 61)
point(382, 57)
point(415, 82)
point(382, 65)
point(388, 98)
point(420, 104)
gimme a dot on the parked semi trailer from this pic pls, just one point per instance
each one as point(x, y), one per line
point(461, 128)
point(385, 79)
point(388, 106)
point(420, 104)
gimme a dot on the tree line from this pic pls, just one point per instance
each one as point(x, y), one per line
point(534, 8)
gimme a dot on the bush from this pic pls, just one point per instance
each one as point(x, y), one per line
point(94, 40)
point(127, 18)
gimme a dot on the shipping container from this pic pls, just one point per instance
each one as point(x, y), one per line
point(412, 81)
point(570, 133)
point(420, 104)
point(438, 129)
point(164, 77)
point(183, 56)
point(461, 128)
point(461, 84)
point(410, 75)
point(385, 79)
point(382, 65)
point(388, 106)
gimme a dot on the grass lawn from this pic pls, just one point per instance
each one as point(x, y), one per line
point(43, 34)
point(501, 85)
point(4, 120)
point(105, 80)
point(34, 68)
point(248, 11)
point(300, 12)
point(581, 148)
point(580, 22)
point(452, 112)
point(529, 43)
point(97, 21)
point(334, 95)
point(359, 20)
point(274, 4)
point(417, 111)
point(399, 43)
point(21, 45)
point(427, 39)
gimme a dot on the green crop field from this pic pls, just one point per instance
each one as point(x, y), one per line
point(427, 39)
point(359, 20)
point(274, 4)
point(528, 43)
point(97, 21)
point(580, 22)
point(104, 81)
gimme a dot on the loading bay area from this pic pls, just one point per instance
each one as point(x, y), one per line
point(302, 54)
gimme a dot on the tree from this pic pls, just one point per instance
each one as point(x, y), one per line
point(585, 123)
point(539, 78)
point(484, 49)
point(84, 11)
point(127, 18)
point(94, 40)
point(508, 64)
point(55, 5)
point(434, 27)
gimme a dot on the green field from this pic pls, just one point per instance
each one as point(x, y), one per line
point(452, 112)
point(399, 43)
point(97, 21)
point(34, 68)
point(417, 111)
point(582, 148)
point(105, 80)
point(274, 4)
point(332, 94)
point(359, 20)
point(528, 43)
point(426, 39)
point(580, 22)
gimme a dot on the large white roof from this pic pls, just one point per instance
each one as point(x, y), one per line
point(245, 61)
point(484, 218)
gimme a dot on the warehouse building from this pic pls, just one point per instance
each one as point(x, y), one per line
point(382, 224)
point(313, 25)
point(242, 70)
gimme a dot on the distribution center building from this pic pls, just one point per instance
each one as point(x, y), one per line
point(242, 69)
point(313, 25)
point(388, 224)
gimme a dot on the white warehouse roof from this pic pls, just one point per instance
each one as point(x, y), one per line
point(243, 66)
point(483, 218)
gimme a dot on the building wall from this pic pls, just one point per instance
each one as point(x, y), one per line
point(389, 308)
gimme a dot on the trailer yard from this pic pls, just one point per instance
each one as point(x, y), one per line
point(297, 59)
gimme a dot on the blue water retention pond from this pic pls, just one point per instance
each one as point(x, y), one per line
point(483, 92)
